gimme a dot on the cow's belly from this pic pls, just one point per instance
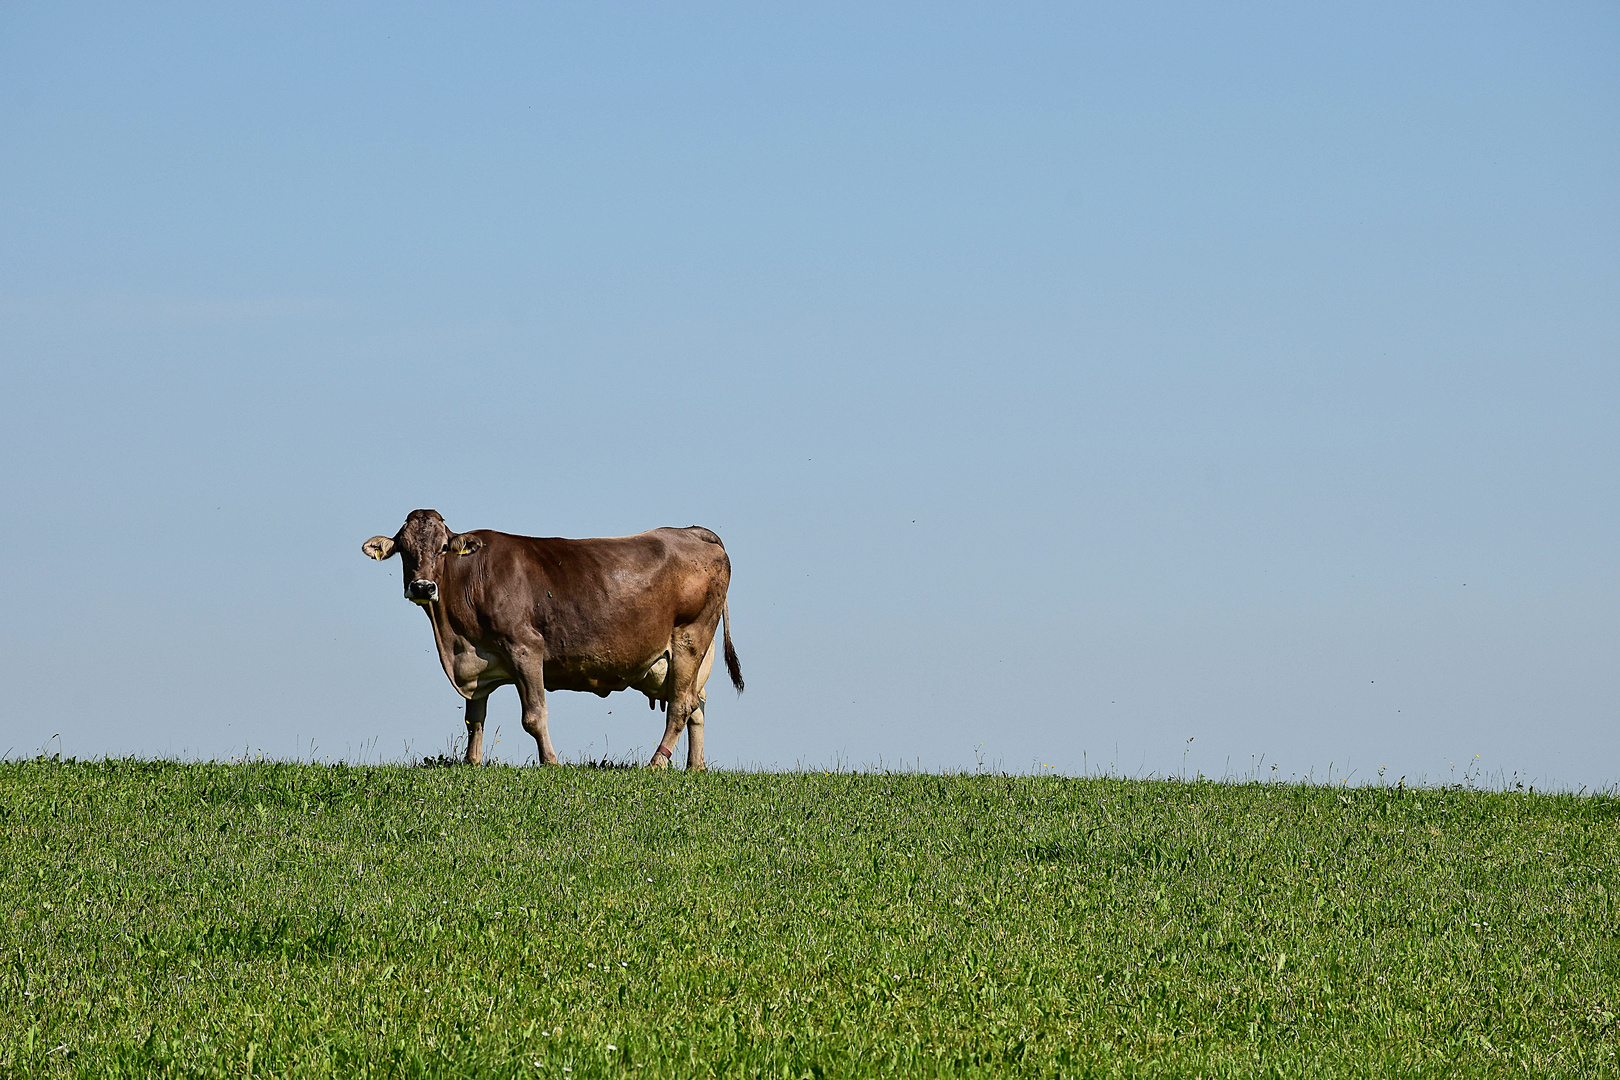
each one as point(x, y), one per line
point(648, 676)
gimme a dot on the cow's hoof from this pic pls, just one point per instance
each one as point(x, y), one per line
point(659, 761)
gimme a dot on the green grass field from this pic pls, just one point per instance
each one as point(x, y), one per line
point(164, 919)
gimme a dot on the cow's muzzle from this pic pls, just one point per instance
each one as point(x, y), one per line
point(422, 592)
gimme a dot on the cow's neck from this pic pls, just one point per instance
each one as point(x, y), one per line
point(444, 632)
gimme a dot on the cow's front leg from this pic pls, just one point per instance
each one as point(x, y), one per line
point(476, 710)
point(528, 664)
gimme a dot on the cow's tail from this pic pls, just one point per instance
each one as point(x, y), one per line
point(733, 668)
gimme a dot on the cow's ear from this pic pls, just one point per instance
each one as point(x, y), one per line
point(465, 544)
point(378, 547)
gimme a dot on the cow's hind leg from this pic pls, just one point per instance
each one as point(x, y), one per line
point(674, 724)
point(528, 667)
point(476, 710)
point(694, 723)
point(685, 692)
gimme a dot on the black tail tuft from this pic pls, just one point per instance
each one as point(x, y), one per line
point(732, 666)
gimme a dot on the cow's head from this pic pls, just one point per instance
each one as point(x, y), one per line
point(422, 544)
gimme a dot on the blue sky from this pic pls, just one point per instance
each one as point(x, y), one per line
point(1065, 382)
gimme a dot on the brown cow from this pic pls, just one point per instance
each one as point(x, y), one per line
point(617, 613)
